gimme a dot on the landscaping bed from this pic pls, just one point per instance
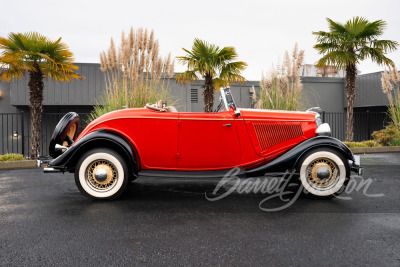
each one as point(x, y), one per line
point(381, 149)
point(20, 164)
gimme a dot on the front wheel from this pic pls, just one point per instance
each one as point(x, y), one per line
point(324, 173)
point(101, 174)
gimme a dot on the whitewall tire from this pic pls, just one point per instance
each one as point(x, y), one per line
point(323, 173)
point(101, 174)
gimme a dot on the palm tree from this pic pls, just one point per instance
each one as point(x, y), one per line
point(216, 65)
point(40, 57)
point(345, 45)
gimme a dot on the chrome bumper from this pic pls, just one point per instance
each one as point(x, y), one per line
point(45, 161)
point(355, 165)
point(42, 161)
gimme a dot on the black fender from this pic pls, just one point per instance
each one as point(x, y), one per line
point(100, 138)
point(289, 160)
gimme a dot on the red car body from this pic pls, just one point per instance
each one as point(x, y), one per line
point(184, 141)
point(159, 141)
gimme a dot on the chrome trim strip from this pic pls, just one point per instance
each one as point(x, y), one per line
point(50, 170)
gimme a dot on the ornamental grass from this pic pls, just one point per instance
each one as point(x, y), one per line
point(135, 73)
point(281, 88)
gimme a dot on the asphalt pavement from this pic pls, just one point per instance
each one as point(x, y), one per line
point(44, 220)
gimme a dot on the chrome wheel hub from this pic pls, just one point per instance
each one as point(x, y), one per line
point(322, 171)
point(322, 174)
point(101, 175)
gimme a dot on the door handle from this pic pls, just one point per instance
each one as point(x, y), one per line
point(227, 125)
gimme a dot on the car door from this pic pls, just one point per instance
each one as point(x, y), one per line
point(207, 141)
point(155, 135)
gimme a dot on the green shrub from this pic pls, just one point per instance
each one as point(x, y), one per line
point(386, 135)
point(368, 143)
point(394, 142)
point(11, 157)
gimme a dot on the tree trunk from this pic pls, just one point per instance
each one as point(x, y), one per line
point(351, 72)
point(208, 94)
point(36, 107)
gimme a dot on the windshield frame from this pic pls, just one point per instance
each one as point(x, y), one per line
point(227, 98)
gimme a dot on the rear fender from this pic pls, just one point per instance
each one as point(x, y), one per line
point(289, 160)
point(99, 139)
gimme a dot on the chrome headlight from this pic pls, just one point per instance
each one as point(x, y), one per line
point(318, 119)
point(323, 130)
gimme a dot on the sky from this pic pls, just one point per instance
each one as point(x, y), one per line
point(261, 31)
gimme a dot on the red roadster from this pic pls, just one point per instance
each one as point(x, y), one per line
point(159, 141)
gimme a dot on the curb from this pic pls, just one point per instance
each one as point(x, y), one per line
point(15, 165)
point(366, 150)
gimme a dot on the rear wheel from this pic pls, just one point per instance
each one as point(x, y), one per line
point(101, 174)
point(324, 173)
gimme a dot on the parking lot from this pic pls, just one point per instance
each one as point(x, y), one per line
point(44, 220)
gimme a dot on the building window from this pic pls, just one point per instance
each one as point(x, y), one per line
point(194, 95)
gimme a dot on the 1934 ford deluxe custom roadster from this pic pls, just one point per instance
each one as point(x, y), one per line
point(159, 141)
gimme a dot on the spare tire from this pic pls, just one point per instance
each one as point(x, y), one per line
point(65, 133)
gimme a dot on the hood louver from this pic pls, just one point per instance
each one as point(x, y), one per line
point(271, 134)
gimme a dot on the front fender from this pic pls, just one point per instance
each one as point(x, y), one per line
point(289, 160)
point(98, 139)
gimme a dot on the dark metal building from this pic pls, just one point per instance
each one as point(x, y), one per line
point(81, 95)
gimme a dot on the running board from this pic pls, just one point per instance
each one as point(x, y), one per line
point(188, 174)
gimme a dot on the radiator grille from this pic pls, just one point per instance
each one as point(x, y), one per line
point(270, 134)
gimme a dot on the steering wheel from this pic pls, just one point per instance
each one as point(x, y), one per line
point(219, 106)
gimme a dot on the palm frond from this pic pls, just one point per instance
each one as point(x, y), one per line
point(385, 45)
point(22, 51)
point(372, 30)
point(210, 60)
point(11, 74)
point(376, 55)
point(186, 77)
point(336, 27)
point(340, 59)
point(348, 43)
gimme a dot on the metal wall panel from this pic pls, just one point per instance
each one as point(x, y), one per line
point(327, 93)
point(369, 91)
point(77, 92)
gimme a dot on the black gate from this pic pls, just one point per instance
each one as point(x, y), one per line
point(15, 131)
